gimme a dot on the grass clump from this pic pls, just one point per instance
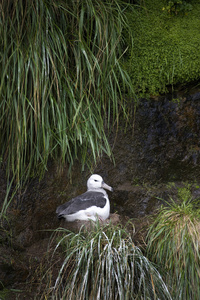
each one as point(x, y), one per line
point(62, 86)
point(173, 243)
point(103, 264)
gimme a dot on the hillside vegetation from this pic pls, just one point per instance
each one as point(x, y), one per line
point(61, 82)
point(166, 45)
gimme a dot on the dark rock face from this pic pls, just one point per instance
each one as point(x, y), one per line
point(165, 144)
point(164, 147)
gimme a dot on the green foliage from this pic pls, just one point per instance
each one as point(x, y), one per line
point(176, 7)
point(4, 294)
point(102, 264)
point(165, 50)
point(9, 294)
point(62, 87)
point(173, 243)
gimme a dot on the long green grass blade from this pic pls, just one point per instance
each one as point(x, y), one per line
point(103, 264)
point(62, 82)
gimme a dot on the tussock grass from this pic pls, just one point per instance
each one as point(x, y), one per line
point(62, 84)
point(102, 264)
point(174, 242)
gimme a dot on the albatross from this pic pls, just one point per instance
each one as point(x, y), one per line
point(92, 205)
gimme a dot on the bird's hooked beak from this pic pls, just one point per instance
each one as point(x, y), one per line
point(107, 187)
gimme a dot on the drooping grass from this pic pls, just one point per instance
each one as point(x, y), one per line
point(173, 242)
point(102, 264)
point(61, 84)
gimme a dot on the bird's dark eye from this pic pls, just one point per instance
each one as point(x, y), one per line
point(95, 180)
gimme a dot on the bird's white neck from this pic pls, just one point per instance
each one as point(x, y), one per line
point(99, 190)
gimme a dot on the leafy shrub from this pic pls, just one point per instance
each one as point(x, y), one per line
point(177, 7)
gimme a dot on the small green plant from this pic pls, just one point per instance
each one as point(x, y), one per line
point(184, 194)
point(173, 243)
point(6, 293)
point(177, 7)
point(103, 264)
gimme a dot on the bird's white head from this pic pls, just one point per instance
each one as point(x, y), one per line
point(96, 182)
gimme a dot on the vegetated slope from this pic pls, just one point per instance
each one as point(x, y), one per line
point(166, 46)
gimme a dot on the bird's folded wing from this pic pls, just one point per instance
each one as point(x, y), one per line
point(82, 202)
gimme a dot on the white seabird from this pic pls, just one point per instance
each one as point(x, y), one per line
point(91, 205)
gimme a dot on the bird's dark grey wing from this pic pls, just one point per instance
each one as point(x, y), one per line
point(81, 202)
